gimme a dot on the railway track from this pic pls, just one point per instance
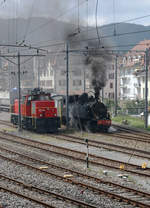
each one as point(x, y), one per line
point(99, 144)
point(77, 155)
point(110, 189)
point(138, 136)
point(133, 131)
point(7, 123)
point(133, 194)
point(30, 189)
point(104, 145)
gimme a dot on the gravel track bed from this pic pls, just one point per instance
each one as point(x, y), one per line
point(115, 140)
point(79, 179)
point(42, 197)
point(79, 166)
point(102, 152)
point(97, 151)
point(27, 176)
point(120, 141)
point(103, 160)
point(52, 184)
point(8, 200)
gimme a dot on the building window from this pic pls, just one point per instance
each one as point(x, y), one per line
point(62, 82)
point(62, 72)
point(111, 95)
point(77, 82)
point(111, 76)
point(51, 72)
point(77, 72)
point(49, 83)
point(111, 85)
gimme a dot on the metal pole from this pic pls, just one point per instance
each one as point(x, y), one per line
point(19, 95)
point(67, 85)
point(38, 73)
point(116, 76)
point(102, 95)
point(146, 87)
point(84, 87)
point(87, 154)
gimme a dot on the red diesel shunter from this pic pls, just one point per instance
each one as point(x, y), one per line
point(38, 112)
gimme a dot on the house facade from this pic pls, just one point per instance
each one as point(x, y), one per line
point(132, 73)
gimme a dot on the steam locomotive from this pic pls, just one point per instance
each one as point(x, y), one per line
point(88, 113)
point(38, 112)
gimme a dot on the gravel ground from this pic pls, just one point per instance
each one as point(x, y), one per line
point(30, 177)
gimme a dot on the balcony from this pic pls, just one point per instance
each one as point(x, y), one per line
point(137, 85)
point(123, 85)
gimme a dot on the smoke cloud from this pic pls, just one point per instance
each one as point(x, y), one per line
point(97, 63)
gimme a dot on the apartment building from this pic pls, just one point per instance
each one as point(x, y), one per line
point(54, 76)
point(132, 73)
point(109, 89)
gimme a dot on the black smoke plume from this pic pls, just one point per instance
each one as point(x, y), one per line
point(97, 61)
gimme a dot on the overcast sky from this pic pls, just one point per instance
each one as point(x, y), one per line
point(108, 10)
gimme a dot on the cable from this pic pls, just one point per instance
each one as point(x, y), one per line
point(92, 39)
point(97, 30)
point(2, 2)
point(114, 17)
point(78, 18)
point(29, 20)
point(105, 26)
point(88, 39)
point(16, 17)
point(52, 20)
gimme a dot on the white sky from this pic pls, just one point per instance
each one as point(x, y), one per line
point(108, 10)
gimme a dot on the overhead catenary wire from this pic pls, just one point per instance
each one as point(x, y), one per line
point(120, 34)
point(2, 3)
point(16, 20)
point(114, 17)
point(95, 38)
point(55, 18)
point(97, 30)
point(29, 21)
point(105, 26)
point(92, 39)
point(106, 48)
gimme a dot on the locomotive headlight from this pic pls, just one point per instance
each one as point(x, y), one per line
point(40, 115)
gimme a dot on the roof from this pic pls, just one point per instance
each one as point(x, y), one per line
point(141, 46)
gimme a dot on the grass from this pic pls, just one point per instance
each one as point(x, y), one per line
point(132, 121)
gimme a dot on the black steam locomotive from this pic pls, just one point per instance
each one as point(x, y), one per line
point(88, 113)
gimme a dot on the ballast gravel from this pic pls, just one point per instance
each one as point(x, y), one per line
point(46, 182)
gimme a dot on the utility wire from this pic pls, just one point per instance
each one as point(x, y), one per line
point(55, 19)
point(16, 21)
point(114, 17)
point(97, 30)
point(29, 21)
point(104, 26)
point(2, 3)
point(87, 30)
point(93, 39)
